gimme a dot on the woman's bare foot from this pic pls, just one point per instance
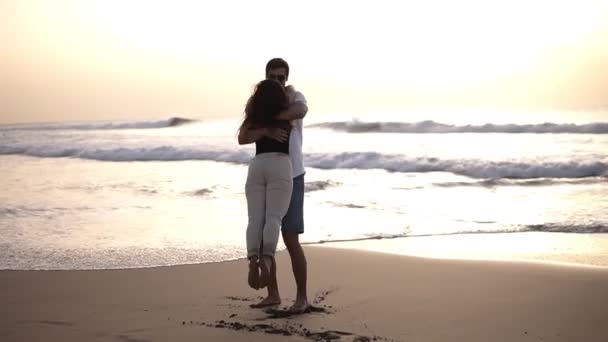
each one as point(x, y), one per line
point(268, 301)
point(265, 265)
point(300, 306)
point(253, 278)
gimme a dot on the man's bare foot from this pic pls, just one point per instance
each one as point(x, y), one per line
point(268, 301)
point(300, 306)
point(265, 265)
point(253, 278)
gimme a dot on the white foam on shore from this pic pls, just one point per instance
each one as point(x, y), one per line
point(564, 249)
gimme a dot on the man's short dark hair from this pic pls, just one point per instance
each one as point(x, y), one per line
point(276, 63)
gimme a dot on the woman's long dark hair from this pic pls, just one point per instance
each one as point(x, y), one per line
point(268, 100)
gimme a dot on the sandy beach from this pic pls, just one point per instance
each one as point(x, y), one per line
point(444, 166)
point(357, 296)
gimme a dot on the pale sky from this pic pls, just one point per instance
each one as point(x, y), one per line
point(143, 59)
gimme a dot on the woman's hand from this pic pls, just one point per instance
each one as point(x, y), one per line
point(276, 133)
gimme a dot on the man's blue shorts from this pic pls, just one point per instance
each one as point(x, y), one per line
point(293, 221)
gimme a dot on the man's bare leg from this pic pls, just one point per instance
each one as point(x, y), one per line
point(298, 265)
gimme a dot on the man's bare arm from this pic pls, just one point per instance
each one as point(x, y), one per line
point(296, 110)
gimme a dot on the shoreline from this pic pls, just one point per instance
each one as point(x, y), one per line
point(551, 248)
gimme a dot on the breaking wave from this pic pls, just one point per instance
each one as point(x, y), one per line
point(113, 125)
point(436, 127)
point(474, 168)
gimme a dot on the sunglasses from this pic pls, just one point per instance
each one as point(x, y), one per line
point(280, 78)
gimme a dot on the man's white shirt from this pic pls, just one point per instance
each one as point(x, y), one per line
point(295, 141)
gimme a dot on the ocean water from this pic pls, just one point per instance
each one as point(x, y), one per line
point(94, 195)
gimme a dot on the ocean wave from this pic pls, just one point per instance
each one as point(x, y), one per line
point(489, 183)
point(114, 125)
point(204, 192)
point(124, 154)
point(474, 168)
point(590, 228)
point(430, 126)
point(320, 185)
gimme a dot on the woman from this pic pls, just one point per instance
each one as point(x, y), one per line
point(269, 180)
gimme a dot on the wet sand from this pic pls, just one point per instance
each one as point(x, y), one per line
point(356, 296)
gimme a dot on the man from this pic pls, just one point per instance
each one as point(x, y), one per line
point(293, 222)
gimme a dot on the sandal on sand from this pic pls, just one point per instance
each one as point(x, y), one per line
point(253, 278)
point(265, 265)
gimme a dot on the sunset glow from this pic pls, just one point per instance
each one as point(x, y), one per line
point(152, 58)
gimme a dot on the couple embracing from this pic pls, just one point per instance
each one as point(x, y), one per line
point(275, 182)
